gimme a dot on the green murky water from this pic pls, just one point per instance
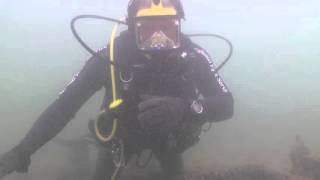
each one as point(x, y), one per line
point(273, 74)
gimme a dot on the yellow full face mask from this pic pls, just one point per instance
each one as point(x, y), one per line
point(156, 24)
point(157, 33)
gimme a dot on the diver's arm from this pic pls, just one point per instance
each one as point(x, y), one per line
point(217, 100)
point(89, 80)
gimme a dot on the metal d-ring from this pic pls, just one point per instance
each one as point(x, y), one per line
point(124, 80)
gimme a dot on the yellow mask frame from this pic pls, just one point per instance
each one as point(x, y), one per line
point(157, 10)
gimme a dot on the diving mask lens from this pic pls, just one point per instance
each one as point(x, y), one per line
point(157, 33)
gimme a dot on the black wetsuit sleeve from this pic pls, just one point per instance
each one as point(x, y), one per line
point(89, 80)
point(217, 99)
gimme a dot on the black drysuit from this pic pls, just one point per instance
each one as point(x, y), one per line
point(187, 73)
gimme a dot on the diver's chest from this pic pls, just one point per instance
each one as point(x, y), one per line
point(162, 83)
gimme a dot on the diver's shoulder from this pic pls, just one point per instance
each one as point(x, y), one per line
point(197, 55)
point(194, 49)
point(189, 45)
point(120, 40)
point(100, 57)
point(124, 33)
point(102, 54)
point(126, 38)
point(185, 40)
point(103, 50)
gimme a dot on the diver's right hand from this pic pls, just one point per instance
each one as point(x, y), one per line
point(14, 160)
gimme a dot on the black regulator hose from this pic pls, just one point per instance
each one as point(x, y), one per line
point(79, 39)
point(91, 51)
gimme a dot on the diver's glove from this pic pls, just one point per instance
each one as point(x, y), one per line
point(14, 160)
point(160, 114)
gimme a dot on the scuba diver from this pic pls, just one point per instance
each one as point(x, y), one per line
point(168, 88)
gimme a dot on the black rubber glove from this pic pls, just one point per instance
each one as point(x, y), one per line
point(14, 160)
point(159, 114)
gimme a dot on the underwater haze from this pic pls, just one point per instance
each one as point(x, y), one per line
point(273, 75)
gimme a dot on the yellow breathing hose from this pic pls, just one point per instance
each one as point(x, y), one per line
point(116, 102)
